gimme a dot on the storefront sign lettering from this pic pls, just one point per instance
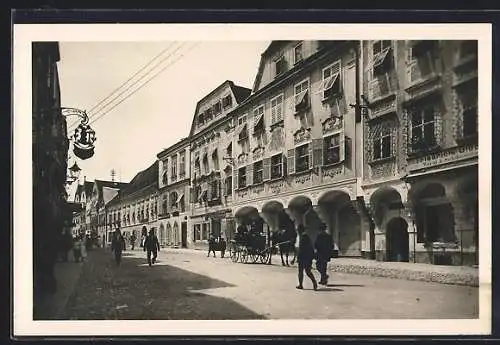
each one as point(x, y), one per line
point(443, 157)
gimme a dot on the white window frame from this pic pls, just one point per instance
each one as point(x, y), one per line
point(182, 163)
point(280, 165)
point(422, 124)
point(411, 61)
point(339, 75)
point(308, 144)
point(240, 175)
point(379, 141)
point(295, 61)
point(274, 108)
point(173, 167)
point(261, 171)
point(375, 55)
point(326, 149)
point(275, 61)
point(242, 120)
point(303, 81)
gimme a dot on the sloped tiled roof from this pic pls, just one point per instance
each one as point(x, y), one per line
point(240, 93)
point(145, 182)
point(108, 194)
point(87, 187)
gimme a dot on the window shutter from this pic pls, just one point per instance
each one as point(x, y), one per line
point(266, 174)
point(273, 112)
point(317, 152)
point(283, 165)
point(291, 161)
point(342, 147)
point(249, 171)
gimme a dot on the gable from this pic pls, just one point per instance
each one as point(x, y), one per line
point(217, 104)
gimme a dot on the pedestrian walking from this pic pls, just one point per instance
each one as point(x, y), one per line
point(222, 246)
point(117, 246)
point(323, 248)
point(211, 245)
point(133, 238)
point(77, 249)
point(305, 258)
point(152, 246)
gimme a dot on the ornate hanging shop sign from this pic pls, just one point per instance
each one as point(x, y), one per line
point(84, 136)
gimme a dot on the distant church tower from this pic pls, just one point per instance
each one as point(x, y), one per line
point(113, 174)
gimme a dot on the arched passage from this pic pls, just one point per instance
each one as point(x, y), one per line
point(343, 222)
point(397, 240)
point(162, 234)
point(175, 230)
point(382, 201)
point(434, 214)
point(169, 234)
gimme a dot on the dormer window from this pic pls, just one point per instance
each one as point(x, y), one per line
point(331, 80)
point(280, 65)
point(297, 53)
point(302, 96)
point(227, 101)
point(208, 114)
point(217, 108)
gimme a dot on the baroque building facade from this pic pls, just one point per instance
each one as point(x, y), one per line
point(297, 143)
point(421, 151)
point(134, 210)
point(211, 152)
point(173, 196)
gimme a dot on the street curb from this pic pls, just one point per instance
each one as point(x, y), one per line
point(465, 279)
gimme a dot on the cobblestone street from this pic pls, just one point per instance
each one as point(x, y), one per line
point(187, 285)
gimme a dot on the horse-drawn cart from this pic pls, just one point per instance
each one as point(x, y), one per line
point(250, 248)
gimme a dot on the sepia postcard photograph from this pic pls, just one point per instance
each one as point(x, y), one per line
point(252, 179)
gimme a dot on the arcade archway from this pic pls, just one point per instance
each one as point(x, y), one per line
point(397, 240)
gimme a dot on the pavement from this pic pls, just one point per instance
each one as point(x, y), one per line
point(454, 275)
point(67, 275)
point(187, 285)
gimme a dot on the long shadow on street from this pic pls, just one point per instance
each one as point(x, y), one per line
point(135, 291)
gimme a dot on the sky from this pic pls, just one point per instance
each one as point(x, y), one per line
point(158, 115)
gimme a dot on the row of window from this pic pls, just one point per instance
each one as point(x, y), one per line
point(214, 110)
point(174, 165)
point(130, 218)
point(205, 164)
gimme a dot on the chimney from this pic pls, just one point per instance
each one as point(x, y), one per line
point(84, 178)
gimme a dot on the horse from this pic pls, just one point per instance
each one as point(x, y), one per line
point(285, 238)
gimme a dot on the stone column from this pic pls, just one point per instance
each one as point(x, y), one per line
point(364, 215)
point(410, 216)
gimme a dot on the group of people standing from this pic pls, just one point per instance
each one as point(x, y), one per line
point(150, 244)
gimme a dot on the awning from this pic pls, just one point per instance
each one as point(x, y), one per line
point(379, 60)
point(328, 83)
point(299, 100)
point(259, 124)
point(179, 198)
point(243, 133)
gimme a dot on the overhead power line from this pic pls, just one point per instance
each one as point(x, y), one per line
point(128, 80)
point(144, 84)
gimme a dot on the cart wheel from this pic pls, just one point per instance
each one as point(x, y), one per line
point(243, 256)
point(255, 257)
point(264, 256)
point(234, 254)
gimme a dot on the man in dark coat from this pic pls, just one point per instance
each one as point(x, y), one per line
point(117, 245)
point(211, 245)
point(305, 258)
point(222, 246)
point(152, 246)
point(323, 248)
